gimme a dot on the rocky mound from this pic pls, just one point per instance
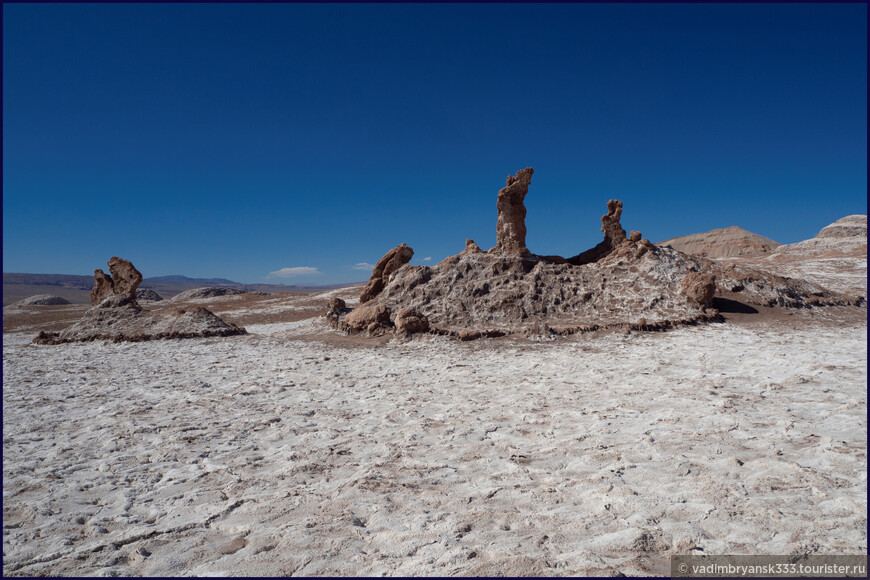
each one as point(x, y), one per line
point(210, 292)
point(846, 237)
point(120, 317)
point(43, 300)
point(625, 281)
point(147, 295)
point(731, 242)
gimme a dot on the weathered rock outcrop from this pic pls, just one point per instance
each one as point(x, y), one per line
point(624, 282)
point(386, 266)
point(118, 316)
point(102, 287)
point(614, 236)
point(510, 228)
point(124, 280)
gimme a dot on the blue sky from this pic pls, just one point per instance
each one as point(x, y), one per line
point(222, 140)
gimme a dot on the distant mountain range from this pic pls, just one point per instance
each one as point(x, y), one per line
point(76, 289)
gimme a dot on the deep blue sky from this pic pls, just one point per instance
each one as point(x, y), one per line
point(239, 140)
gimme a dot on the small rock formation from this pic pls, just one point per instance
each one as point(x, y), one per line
point(409, 321)
point(471, 248)
point(118, 316)
point(614, 236)
point(699, 287)
point(336, 308)
point(124, 279)
point(147, 295)
point(43, 300)
point(392, 261)
point(510, 228)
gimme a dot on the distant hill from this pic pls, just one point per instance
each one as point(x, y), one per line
point(846, 237)
point(731, 242)
point(76, 289)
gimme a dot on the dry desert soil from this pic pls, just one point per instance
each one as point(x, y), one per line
point(296, 450)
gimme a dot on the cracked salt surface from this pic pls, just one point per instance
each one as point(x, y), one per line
point(268, 455)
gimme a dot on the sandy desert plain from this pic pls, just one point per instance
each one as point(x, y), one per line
point(297, 449)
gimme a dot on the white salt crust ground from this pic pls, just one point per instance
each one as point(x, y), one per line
point(270, 455)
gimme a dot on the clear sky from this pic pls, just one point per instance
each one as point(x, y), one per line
point(235, 141)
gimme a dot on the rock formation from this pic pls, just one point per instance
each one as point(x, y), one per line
point(386, 266)
point(623, 282)
point(124, 280)
point(699, 287)
point(614, 236)
point(126, 277)
point(102, 287)
point(118, 316)
point(368, 317)
point(510, 228)
point(471, 247)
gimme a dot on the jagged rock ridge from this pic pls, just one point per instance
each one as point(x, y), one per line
point(624, 281)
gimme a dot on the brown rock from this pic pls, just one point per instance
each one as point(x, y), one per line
point(102, 287)
point(471, 247)
point(363, 316)
point(699, 287)
point(623, 283)
point(409, 320)
point(614, 235)
point(125, 277)
point(336, 304)
point(124, 280)
point(510, 229)
point(635, 236)
point(336, 308)
point(392, 261)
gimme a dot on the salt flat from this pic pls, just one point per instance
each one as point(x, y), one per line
point(294, 450)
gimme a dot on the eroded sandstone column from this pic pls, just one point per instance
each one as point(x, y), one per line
point(102, 287)
point(510, 229)
point(126, 277)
